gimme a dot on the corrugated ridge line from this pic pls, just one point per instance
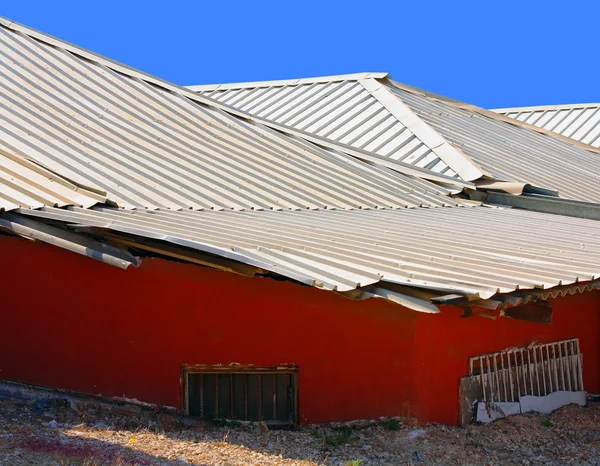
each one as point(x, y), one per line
point(443, 249)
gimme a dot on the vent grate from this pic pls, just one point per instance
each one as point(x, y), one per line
point(249, 395)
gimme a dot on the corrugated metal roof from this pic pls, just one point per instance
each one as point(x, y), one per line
point(148, 146)
point(25, 184)
point(373, 113)
point(476, 251)
point(151, 144)
point(511, 152)
point(519, 298)
point(351, 110)
point(577, 121)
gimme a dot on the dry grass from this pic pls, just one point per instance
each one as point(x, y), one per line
point(31, 434)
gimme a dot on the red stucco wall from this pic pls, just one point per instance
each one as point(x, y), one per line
point(74, 323)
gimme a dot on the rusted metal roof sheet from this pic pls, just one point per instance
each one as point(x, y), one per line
point(476, 251)
point(25, 184)
point(577, 121)
point(511, 152)
point(148, 146)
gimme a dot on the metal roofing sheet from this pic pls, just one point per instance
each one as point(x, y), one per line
point(373, 113)
point(80, 244)
point(511, 152)
point(25, 184)
point(578, 121)
point(528, 296)
point(478, 250)
point(150, 147)
point(351, 110)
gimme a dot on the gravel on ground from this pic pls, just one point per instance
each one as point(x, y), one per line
point(52, 433)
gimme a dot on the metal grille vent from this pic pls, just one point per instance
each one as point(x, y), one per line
point(254, 395)
point(537, 370)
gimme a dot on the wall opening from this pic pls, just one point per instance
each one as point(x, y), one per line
point(248, 393)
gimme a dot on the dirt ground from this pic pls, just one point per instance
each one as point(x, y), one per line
point(51, 433)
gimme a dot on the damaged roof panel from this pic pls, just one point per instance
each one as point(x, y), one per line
point(476, 251)
point(25, 184)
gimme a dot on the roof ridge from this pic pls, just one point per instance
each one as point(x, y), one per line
point(294, 81)
point(457, 160)
point(545, 107)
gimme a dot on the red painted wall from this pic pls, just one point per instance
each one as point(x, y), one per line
point(79, 324)
point(445, 342)
point(75, 323)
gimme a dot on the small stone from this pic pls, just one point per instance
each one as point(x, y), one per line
point(53, 424)
point(416, 433)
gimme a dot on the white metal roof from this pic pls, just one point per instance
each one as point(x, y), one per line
point(145, 144)
point(476, 251)
point(512, 152)
point(74, 125)
point(350, 110)
point(373, 113)
point(25, 184)
point(577, 121)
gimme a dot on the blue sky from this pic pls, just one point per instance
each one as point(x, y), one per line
point(489, 53)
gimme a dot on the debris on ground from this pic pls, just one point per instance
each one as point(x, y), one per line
point(52, 433)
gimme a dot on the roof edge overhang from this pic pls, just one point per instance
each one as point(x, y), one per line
point(506, 301)
point(415, 295)
point(84, 245)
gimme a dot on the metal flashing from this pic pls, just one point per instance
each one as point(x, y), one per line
point(287, 82)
